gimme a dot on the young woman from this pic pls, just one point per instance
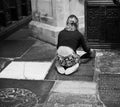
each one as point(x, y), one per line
point(69, 40)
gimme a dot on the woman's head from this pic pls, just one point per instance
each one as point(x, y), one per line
point(72, 23)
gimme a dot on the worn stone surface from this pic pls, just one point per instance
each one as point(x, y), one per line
point(13, 97)
point(72, 100)
point(109, 89)
point(75, 87)
point(108, 61)
point(40, 51)
point(40, 88)
point(73, 94)
point(109, 81)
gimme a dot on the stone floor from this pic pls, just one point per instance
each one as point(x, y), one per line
point(102, 91)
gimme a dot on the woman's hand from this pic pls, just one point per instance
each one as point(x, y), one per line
point(87, 56)
point(92, 53)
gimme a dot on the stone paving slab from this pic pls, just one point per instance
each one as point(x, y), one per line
point(108, 61)
point(73, 94)
point(23, 92)
point(109, 89)
point(40, 51)
point(14, 48)
point(75, 87)
point(109, 81)
point(69, 100)
point(26, 70)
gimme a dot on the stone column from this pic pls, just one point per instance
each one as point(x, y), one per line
point(62, 12)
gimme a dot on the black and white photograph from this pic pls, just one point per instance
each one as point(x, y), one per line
point(59, 53)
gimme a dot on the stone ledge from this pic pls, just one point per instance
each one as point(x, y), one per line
point(45, 32)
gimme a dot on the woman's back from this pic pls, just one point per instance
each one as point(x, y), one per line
point(70, 39)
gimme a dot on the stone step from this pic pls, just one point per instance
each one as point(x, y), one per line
point(98, 45)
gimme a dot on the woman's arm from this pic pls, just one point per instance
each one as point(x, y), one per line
point(90, 53)
point(84, 45)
